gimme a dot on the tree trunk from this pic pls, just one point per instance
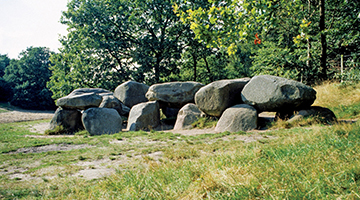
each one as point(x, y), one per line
point(323, 41)
point(308, 61)
point(157, 68)
point(208, 69)
point(194, 65)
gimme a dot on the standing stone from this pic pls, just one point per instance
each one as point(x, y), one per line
point(174, 94)
point(70, 120)
point(144, 116)
point(131, 93)
point(186, 116)
point(217, 96)
point(241, 117)
point(272, 93)
point(83, 98)
point(98, 121)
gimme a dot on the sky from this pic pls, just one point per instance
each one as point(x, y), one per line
point(25, 23)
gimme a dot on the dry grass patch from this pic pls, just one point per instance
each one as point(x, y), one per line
point(335, 94)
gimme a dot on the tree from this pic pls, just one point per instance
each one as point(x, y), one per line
point(4, 62)
point(28, 77)
point(5, 89)
point(297, 31)
point(112, 41)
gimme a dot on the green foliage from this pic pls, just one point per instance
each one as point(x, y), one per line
point(291, 33)
point(4, 62)
point(273, 60)
point(28, 77)
point(5, 90)
point(351, 75)
point(113, 41)
point(5, 87)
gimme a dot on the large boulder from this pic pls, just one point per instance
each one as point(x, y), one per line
point(217, 96)
point(323, 115)
point(114, 103)
point(241, 117)
point(70, 120)
point(98, 121)
point(272, 93)
point(174, 94)
point(98, 91)
point(83, 98)
point(186, 116)
point(131, 93)
point(144, 116)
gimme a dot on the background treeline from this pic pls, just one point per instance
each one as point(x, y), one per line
point(23, 80)
point(152, 41)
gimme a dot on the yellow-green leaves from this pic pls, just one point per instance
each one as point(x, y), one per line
point(224, 24)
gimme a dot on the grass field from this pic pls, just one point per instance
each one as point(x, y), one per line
point(311, 162)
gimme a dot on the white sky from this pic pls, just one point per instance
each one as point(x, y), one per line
point(25, 23)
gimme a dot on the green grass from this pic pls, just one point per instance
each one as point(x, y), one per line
point(318, 162)
point(3, 110)
point(347, 112)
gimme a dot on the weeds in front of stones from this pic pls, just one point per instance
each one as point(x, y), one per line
point(307, 121)
point(58, 130)
point(205, 122)
point(83, 133)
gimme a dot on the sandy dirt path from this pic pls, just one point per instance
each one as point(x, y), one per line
point(24, 115)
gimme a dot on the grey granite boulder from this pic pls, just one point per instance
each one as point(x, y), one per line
point(323, 115)
point(98, 121)
point(98, 91)
point(70, 120)
point(272, 93)
point(174, 94)
point(186, 116)
point(144, 116)
point(241, 117)
point(217, 96)
point(83, 98)
point(131, 93)
point(114, 103)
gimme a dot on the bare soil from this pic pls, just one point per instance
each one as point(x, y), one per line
point(20, 115)
point(52, 147)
